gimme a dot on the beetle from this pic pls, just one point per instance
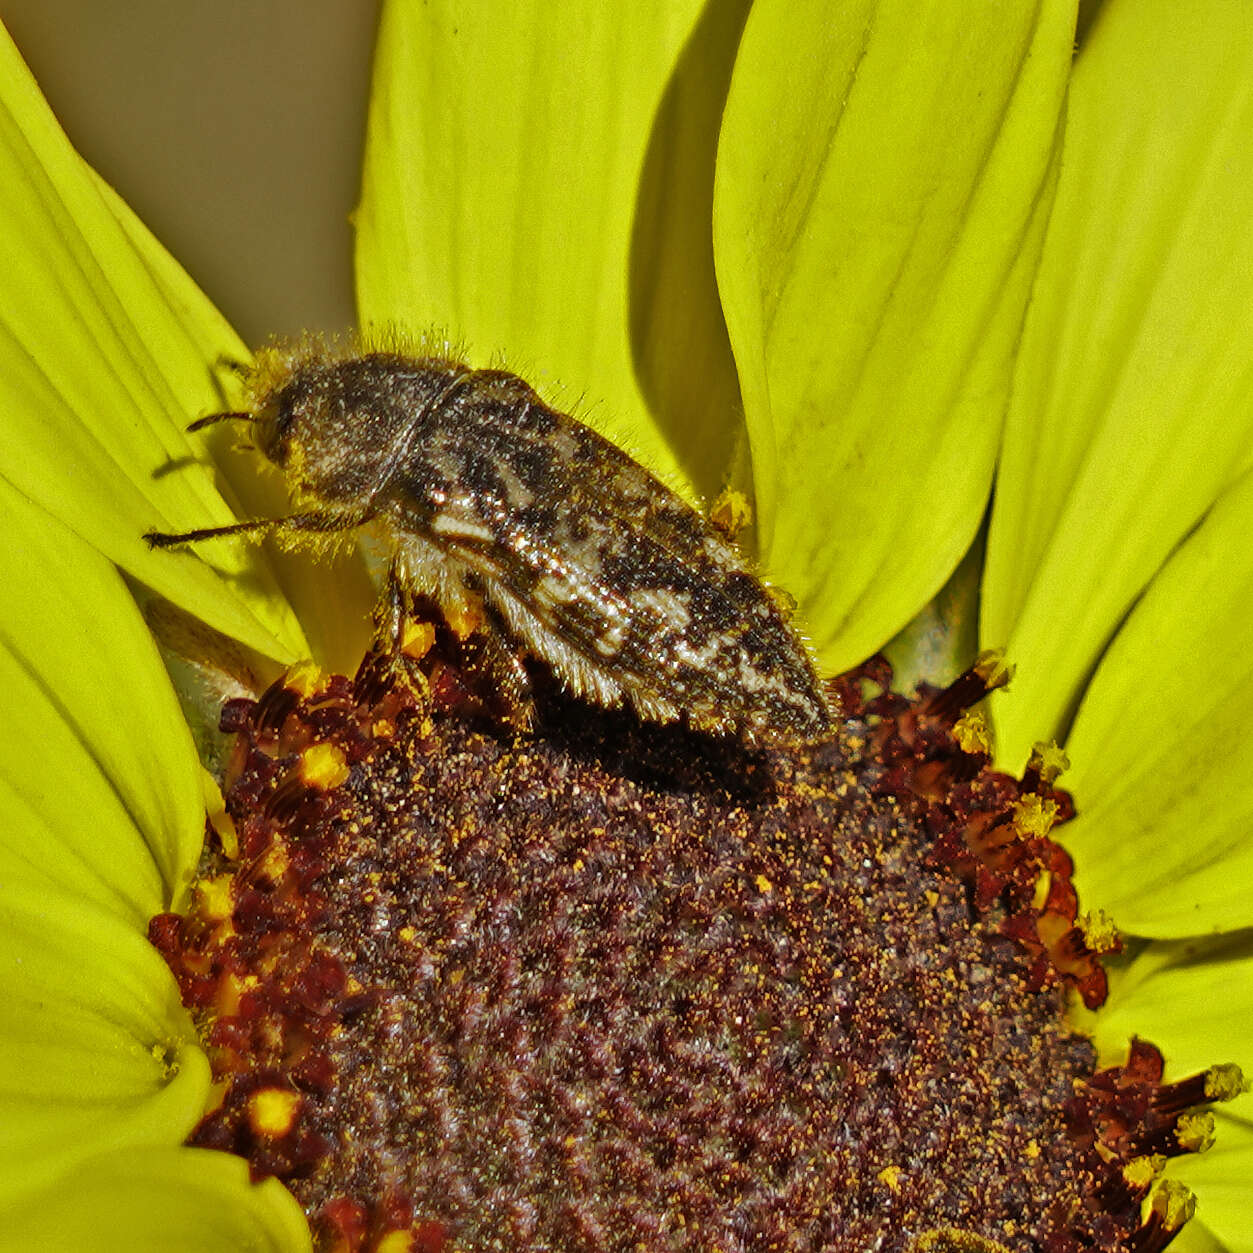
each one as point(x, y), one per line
point(484, 494)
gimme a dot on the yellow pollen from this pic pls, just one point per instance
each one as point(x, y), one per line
point(763, 884)
point(464, 620)
point(305, 679)
point(1048, 760)
point(1195, 1132)
point(231, 989)
point(272, 1111)
point(950, 1240)
point(972, 734)
point(1141, 1171)
point(275, 861)
point(890, 1176)
point(731, 512)
point(991, 666)
point(416, 641)
point(395, 1242)
point(1225, 1082)
point(323, 766)
point(213, 897)
point(1032, 1151)
point(1099, 932)
point(1034, 816)
point(165, 1057)
point(1174, 1204)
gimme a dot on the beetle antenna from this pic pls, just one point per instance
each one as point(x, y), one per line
point(200, 423)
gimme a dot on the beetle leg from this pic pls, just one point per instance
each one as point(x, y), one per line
point(506, 674)
point(315, 522)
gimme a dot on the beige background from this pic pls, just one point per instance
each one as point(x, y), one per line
point(234, 129)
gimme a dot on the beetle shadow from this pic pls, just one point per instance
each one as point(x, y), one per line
point(174, 465)
point(662, 757)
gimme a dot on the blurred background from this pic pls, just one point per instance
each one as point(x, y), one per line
point(234, 128)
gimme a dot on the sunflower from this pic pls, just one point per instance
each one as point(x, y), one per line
point(979, 308)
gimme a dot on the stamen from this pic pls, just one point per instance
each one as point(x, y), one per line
point(1172, 1206)
point(988, 673)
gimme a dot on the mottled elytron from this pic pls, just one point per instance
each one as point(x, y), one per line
point(485, 495)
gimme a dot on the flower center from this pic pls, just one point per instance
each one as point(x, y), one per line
point(620, 986)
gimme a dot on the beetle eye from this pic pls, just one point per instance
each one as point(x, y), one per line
point(275, 421)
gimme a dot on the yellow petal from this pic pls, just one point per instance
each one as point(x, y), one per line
point(883, 176)
point(99, 790)
point(1197, 1238)
point(1133, 399)
point(106, 350)
point(1221, 1181)
point(1192, 998)
point(1162, 757)
point(96, 1051)
point(145, 1200)
point(527, 192)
